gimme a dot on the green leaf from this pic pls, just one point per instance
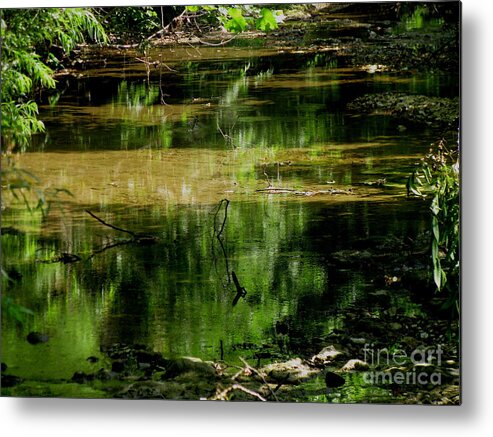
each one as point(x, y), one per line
point(435, 228)
point(435, 208)
point(238, 22)
point(267, 20)
point(437, 276)
point(434, 251)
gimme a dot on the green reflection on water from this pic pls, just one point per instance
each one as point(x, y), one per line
point(138, 162)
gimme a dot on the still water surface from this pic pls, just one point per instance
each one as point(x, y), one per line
point(154, 149)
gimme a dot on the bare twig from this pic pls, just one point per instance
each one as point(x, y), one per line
point(116, 228)
point(252, 369)
point(222, 43)
point(168, 67)
point(267, 177)
point(147, 62)
point(223, 395)
point(225, 136)
point(165, 28)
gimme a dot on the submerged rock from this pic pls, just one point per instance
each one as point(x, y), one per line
point(37, 337)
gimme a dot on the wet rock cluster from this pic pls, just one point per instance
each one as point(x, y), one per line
point(415, 109)
point(416, 52)
point(135, 372)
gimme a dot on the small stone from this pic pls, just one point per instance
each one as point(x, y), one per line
point(358, 340)
point(333, 380)
point(144, 366)
point(81, 377)
point(454, 372)
point(355, 364)
point(37, 337)
point(395, 326)
point(424, 335)
point(9, 380)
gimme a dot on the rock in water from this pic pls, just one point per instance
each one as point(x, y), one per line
point(325, 356)
point(333, 380)
point(37, 337)
point(9, 380)
point(355, 365)
point(290, 372)
point(183, 365)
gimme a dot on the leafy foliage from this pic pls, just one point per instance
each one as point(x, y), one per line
point(130, 22)
point(25, 187)
point(239, 18)
point(32, 40)
point(438, 176)
point(13, 310)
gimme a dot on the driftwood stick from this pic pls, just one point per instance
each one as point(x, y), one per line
point(116, 228)
point(272, 189)
point(217, 44)
point(254, 370)
point(224, 393)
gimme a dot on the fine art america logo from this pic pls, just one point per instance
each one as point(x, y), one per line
point(423, 361)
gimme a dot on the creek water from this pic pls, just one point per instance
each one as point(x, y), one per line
point(154, 147)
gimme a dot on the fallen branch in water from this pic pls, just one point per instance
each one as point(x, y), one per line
point(273, 190)
point(137, 238)
point(261, 376)
point(222, 396)
point(217, 234)
point(240, 291)
point(116, 228)
point(218, 44)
